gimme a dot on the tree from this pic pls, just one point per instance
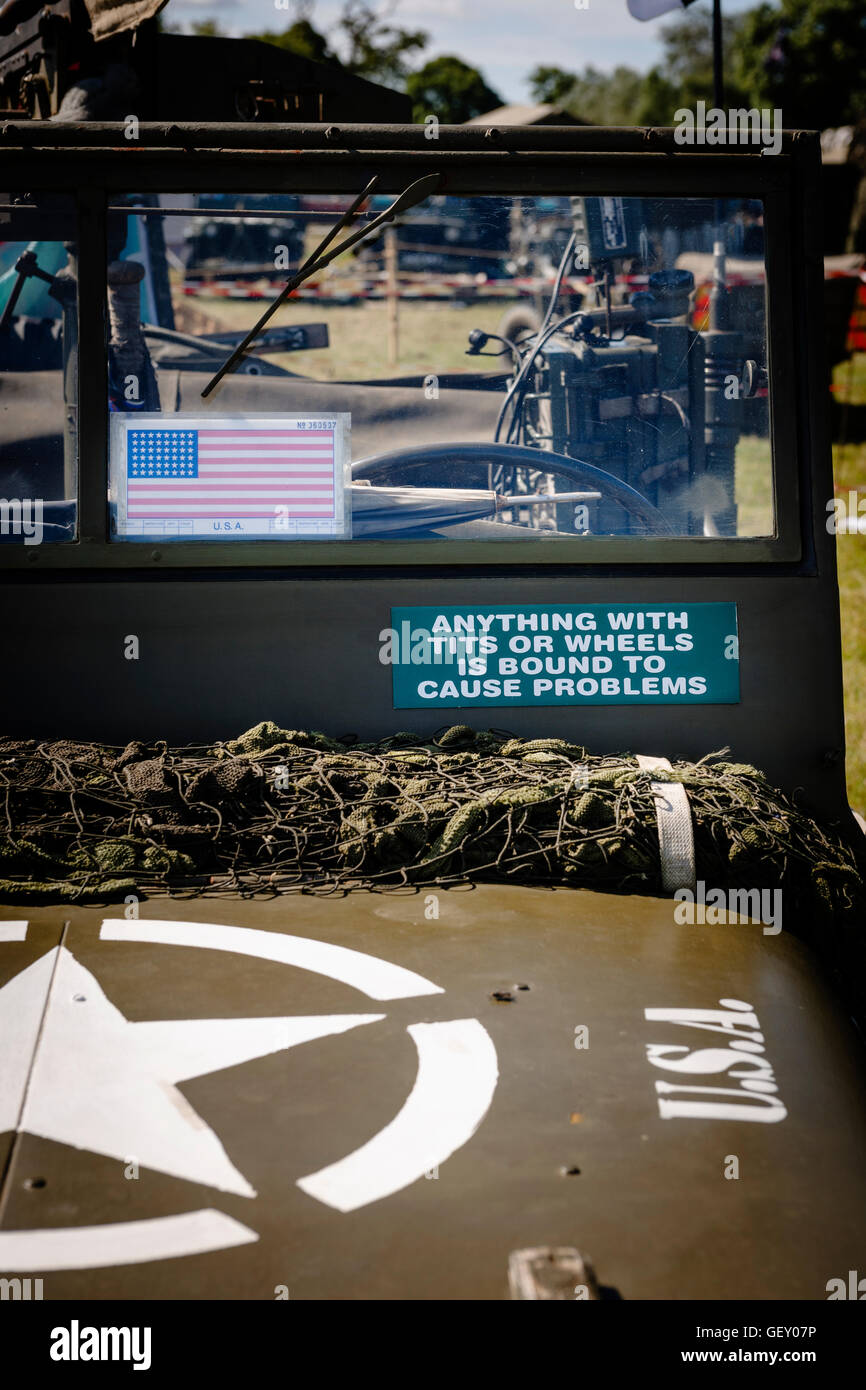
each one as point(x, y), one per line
point(604, 98)
point(375, 48)
point(551, 84)
point(682, 78)
point(450, 89)
point(206, 29)
point(302, 38)
point(621, 97)
point(687, 64)
point(659, 99)
point(807, 58)
point(369, 44)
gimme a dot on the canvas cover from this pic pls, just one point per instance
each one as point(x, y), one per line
point(109, 17)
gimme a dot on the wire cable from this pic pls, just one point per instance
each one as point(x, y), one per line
point(554, 296)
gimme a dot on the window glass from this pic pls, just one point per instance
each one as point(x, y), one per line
point(481, 368)
point(38, 369)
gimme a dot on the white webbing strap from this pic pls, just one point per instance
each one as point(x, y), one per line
point(676, 841)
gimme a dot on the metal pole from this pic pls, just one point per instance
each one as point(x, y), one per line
point(718, 58)
point(717, 294)
point(392, 291)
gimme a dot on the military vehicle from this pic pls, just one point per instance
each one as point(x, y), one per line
point(550, 1079)
point(81, 60)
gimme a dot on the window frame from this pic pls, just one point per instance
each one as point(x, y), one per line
point(516, 162)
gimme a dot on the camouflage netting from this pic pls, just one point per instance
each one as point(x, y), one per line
point(280, 810)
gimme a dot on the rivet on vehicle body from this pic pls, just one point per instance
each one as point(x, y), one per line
point(492, 134)
point(502, 996)
point(156, 555)
point(34, 1182)
point(333, 132)
point(572, 1172)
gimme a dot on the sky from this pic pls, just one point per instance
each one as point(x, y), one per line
point(504, 38)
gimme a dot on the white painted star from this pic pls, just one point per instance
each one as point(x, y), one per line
point(102, 1083)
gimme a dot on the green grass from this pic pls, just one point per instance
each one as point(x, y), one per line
point(431, 337)
point(754, 486)
point(849, 471)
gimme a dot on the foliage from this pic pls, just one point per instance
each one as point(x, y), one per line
point(550, 84)
point(687, 63)
point(206, 29)
point(450, 89)
point(375, 48)
point(302, 38)
point(363, 41)
point(805, 57)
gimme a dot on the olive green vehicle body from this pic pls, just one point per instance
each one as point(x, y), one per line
point(574, 1149)
point(653, 1203)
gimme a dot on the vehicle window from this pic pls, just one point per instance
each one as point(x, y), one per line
point(479, 368)
point(38, 369)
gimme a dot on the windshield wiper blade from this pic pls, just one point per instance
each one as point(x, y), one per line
point(416, 193)
point(243, 346)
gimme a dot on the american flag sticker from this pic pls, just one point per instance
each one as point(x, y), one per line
point(272, 477)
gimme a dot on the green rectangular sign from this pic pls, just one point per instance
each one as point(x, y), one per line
point(563, 654)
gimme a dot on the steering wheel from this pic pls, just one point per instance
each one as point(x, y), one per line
point(517, 455)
